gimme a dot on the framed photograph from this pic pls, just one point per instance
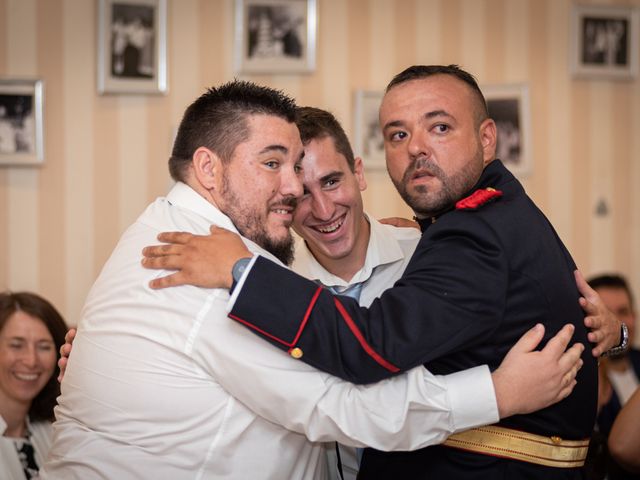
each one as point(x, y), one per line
point(509, 107)
point(369, 143)
point(275, 36)
point(21, 140)
point(604, 41)
point(132, 46)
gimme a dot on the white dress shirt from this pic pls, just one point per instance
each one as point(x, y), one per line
point(40, 437)
point(388, 253)
point(161, 384)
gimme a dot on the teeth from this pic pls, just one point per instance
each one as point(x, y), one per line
point(27, 376)
point(331, 227)
point(281, 211)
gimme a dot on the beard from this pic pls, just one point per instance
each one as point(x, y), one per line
point(252, 225)
point(431, 201)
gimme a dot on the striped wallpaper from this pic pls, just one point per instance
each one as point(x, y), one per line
point(106, 155)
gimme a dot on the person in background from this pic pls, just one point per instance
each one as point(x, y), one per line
point(624, 438)
point(621, 371)
point(31, 333)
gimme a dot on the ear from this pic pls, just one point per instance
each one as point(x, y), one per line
point(488, 139)
point(358, 170)
point(206, 167)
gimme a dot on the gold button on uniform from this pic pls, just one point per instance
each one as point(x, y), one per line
point(296, 353)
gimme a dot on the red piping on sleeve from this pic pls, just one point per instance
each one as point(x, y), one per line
point(358, 334)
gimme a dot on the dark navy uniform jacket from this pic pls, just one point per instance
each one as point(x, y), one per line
point(478, 280)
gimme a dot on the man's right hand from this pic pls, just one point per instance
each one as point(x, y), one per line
point(529, 380)
point(65, 351)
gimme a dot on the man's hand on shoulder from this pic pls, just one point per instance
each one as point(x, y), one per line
point(65, 351)
point(200, 260)
point(529, 380)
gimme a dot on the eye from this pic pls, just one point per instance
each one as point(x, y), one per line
point(45, 346)
point(16, 344)
point(272, 164)
point(298, 169)
point(331, 182)
point(441, 128)
point(397, 136)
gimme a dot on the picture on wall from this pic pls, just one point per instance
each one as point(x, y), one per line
point(369, 143)
point(132, 46)
point(509, 107)
point(604, 41)
point(21, 140)
point(275, 36)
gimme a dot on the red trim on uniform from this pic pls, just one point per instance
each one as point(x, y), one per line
point(358, 334)
point(478, 198)
point(305, 319)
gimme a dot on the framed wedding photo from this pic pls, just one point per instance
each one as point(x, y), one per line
point(509, 107)
point(21, 122)
point(604, 41)
point(132, 46)
point(369, 143)
point(275, 36)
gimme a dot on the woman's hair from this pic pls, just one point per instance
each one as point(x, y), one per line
point(36, 306)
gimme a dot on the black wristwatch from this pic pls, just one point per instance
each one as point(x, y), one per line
point(623, 344)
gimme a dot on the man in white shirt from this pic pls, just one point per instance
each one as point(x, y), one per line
point(163, 385)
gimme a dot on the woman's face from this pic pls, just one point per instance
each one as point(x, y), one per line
point(27, 358)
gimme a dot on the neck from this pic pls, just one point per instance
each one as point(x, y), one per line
point(15, 416)
point(346, 267)
point(619, 364)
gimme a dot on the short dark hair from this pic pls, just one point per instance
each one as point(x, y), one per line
point(611, 280)
point(218, 120)
point(43, 404)
point(417, 72)
point(316, 124)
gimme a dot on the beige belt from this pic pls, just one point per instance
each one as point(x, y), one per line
point(527, 447)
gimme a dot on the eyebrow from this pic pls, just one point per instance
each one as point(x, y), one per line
point(277, 148)
point(330, 175)
point(428, 115)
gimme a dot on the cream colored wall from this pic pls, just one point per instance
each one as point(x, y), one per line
point(106, 155)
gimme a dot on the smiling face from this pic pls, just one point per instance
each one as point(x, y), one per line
point(27, 358)
point(259, 185)
point(436, 141)
point(330, 214)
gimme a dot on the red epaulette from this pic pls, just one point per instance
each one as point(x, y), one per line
point(478, 199)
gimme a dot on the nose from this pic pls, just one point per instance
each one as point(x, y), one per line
point(30, 356)
point(291, 183)
point(322, 207)
point(418, 145)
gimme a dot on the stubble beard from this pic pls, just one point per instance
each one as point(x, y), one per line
point(429, 201)
point(252, 225)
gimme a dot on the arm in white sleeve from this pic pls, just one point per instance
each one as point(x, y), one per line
point(406, 412)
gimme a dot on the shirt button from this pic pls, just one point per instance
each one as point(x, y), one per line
point(296, 353)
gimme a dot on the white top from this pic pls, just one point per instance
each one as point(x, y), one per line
point(624, 383)
point(388, 253)
point(10, 466)
point(161, 384)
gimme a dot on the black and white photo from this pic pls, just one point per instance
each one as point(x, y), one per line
point(275, 36)
point(604, 41)
point(369, 143)
point(508, 106)
point(132, 46)
point(21, 141)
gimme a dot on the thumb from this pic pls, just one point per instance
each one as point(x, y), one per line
point(530, 340)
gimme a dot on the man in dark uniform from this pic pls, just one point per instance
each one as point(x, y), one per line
point(488, 267)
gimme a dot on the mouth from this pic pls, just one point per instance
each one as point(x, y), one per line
point(327, 228)
point(26, 377)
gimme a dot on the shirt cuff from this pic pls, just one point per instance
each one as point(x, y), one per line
point(238, 286)
point(472, 398)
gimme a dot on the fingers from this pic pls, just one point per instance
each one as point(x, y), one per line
point(530, 340)
point(570, 359)
point(172, 280)
point(588, 307)
point(583, 287)
point(174, 237)
point(167, 262)
point(162, 250)
point(558, 344)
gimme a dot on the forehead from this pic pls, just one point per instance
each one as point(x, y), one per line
point(614, 295)
point(21, 324)
point(321, 158)
point(437, 92)
point(265, 130)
